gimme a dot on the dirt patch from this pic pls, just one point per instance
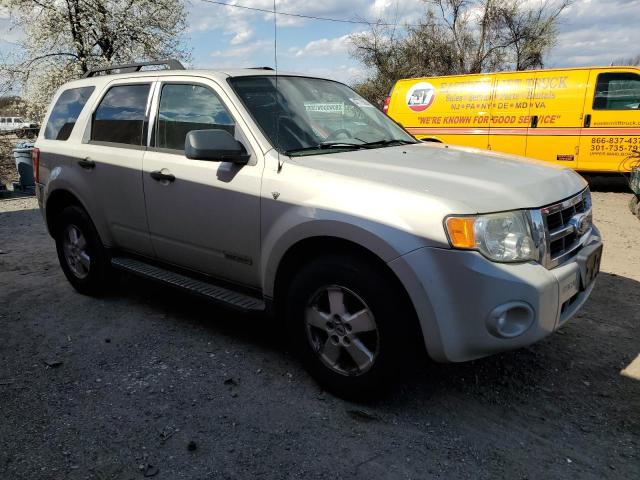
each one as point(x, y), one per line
point(126, 385)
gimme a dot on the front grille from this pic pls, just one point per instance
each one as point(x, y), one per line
point(562, 229)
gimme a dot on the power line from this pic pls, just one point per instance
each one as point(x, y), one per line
point(309, 17)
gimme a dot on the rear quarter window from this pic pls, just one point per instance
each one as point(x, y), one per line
point(65, 113)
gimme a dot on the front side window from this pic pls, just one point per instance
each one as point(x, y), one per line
point(310, 116)
point(121, 116)
point(617, 91)
point(65, 113)
point(186, 107)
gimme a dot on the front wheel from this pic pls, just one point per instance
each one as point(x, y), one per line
point(82, 256)
point(350, 325)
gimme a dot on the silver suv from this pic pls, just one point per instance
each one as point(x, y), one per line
point(294, 195)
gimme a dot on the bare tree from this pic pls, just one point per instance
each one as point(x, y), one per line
point(65, 38)
point(528, 35)
point(457, 37)
point(383, 52)
point(631, 61)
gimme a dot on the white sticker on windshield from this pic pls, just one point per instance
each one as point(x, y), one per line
point(361, 102)
point(337, 108)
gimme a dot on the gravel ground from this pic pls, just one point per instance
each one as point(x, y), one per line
point(118, 387)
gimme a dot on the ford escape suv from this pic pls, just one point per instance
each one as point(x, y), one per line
point(294, 195)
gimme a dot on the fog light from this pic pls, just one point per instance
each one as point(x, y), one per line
point(510, 319)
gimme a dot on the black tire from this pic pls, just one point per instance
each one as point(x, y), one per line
point(393, 317)
point(98, 270)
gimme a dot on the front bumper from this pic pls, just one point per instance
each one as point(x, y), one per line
point(455, 293)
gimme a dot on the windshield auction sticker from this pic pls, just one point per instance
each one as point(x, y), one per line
point(420, 96)
point(334, 108)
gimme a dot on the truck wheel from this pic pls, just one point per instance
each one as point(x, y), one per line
point(82, 256)
point(349, 325)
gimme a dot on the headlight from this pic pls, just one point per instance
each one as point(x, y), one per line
point(501, 237)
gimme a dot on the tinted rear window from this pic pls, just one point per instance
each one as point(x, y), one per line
point(121, 115)
point(65, 113)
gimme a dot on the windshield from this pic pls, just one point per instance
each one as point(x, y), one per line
point(309, 116)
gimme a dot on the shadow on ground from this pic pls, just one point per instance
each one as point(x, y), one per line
point(616, 183)
point(604, 327)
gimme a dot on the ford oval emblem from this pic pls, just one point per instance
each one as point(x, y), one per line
point(581, 222)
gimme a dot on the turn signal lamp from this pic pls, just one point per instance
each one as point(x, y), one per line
point(461, 232)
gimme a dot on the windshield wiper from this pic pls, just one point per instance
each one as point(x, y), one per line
point(326, 146)
point(387, 143)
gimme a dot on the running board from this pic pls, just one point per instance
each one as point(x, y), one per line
point(223, 295)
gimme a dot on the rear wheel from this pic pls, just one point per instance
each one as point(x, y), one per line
point(349, 324)
point(82, 256)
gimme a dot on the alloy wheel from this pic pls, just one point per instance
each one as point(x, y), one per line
point(75, 251)
point(342, 330)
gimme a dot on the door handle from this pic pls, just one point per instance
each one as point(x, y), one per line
point(587, 120)
point(534, 121)
point(87, 164)
point(159, 176)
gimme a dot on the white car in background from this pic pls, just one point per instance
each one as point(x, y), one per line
point(18, 126)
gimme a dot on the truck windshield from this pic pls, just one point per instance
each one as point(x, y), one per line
point(310, 116)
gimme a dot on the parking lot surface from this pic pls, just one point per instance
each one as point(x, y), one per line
point(148, 382)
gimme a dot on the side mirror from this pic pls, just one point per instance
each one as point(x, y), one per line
point(214, 145)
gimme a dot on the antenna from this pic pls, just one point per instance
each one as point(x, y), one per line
point(275, 60)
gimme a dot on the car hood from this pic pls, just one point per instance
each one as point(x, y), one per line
point(478, 181)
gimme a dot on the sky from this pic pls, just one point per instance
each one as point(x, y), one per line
point(591, 32)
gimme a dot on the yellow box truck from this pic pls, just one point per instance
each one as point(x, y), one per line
point(585, 118)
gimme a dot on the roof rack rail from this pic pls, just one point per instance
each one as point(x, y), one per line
point(260, 68)
point(171, 63)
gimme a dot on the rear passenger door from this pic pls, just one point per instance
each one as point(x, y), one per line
point(111, 164)
point(510, 113)
point(207, 219)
